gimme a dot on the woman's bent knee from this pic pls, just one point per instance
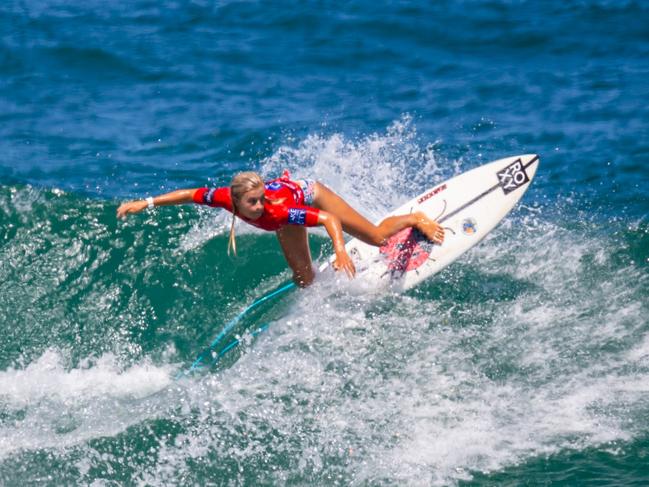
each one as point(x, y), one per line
point(304, 277)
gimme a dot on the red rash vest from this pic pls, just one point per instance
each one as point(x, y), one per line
point(283, 204)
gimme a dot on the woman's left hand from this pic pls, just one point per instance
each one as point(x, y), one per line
point(343, 261)
point(335, 231)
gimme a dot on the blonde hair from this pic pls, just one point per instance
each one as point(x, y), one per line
point(240, 185)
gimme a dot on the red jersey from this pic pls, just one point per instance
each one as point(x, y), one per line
point(283, 204)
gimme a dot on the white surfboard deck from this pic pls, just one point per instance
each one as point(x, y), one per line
point(468, 206)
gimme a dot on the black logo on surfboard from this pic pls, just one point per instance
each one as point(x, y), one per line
point(513, 176)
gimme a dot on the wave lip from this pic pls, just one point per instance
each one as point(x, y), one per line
point(48, 379)
point(47, 405)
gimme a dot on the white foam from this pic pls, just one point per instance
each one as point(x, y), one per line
point(48, 378)
point(55, 406)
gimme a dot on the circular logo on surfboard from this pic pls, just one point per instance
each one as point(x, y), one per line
point(469, 226)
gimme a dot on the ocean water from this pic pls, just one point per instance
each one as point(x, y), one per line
point(524, 363)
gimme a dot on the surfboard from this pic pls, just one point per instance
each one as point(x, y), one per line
point(468, 206)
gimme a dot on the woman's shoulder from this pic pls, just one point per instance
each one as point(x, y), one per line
point(217, 197)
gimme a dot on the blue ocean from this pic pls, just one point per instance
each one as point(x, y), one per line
point(526, 362)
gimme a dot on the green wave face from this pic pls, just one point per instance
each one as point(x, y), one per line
point(73, 277)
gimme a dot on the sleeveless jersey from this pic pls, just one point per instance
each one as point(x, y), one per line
point(283, 204)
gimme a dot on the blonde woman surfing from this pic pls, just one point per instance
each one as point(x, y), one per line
point(286, 207)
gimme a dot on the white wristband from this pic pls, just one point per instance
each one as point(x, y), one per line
point(149, 202)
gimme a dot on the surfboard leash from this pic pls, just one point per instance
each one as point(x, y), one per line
point(200, 361)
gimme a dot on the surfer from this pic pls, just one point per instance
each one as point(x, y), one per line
point(287, 206)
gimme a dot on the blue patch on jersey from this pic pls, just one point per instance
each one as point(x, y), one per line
point(296, 216)
point(274, 185)
point(207, 197)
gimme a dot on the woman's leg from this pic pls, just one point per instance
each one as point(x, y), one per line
point(295, 244)
point(358, 226)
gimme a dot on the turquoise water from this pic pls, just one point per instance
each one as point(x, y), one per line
point(524, 363)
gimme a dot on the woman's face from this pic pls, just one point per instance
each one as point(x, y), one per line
point(251, 204)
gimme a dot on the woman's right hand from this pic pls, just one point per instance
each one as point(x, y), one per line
point(129, 207)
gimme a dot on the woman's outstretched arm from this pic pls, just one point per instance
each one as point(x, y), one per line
point(177, 197)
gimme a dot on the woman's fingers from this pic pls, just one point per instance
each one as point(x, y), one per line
point(345, 263)
point(129, 207)
point(350, 269)
point(124, 210)
point(121, 211)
